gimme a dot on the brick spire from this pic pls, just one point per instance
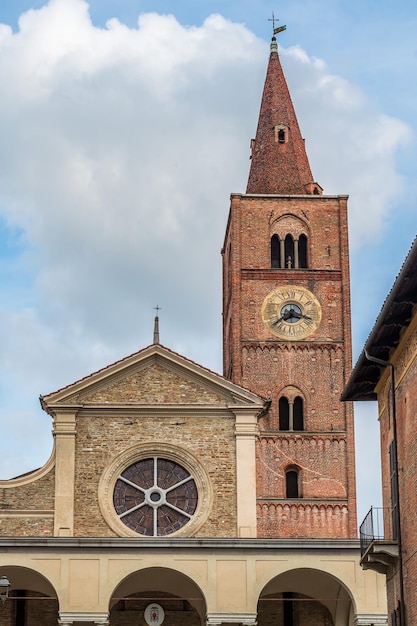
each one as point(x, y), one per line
point(279, 159)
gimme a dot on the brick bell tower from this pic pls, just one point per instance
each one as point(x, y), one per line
point(286, 327)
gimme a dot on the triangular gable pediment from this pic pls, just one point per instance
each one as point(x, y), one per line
point(153, 376)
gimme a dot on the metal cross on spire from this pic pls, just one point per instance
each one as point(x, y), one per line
point(274, 19)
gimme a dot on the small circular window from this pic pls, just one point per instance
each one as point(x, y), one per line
point(155, 497)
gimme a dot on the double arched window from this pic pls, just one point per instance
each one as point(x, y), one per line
point(291, 413)
point(288, 252)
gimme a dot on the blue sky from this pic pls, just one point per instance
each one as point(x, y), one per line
point(125, 126)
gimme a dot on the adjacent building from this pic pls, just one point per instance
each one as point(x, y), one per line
point(180, 496)
point(387, 372)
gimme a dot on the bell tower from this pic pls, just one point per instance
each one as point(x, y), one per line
point(286, 327)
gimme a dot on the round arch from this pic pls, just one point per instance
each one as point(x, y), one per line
point(299, 593)
point(171, 589)
point(31, 595)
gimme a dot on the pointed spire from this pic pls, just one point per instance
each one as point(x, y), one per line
point(279, 159)
point(156, 325)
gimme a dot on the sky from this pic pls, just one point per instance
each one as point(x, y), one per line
point(126, 124)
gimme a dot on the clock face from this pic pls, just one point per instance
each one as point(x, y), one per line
point(291, 312)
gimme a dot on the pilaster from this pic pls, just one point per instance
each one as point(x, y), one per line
point(246, 432)
point(64, 433)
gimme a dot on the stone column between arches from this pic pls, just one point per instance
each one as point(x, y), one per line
point(98, 619)
point(245, 619)
point(370, 620)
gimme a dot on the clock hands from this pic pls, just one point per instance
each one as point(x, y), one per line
point(291, 314)
point(284, 316)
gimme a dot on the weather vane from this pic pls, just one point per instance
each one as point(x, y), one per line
point(274, 19)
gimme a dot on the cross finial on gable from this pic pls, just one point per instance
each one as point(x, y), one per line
point(156, 325)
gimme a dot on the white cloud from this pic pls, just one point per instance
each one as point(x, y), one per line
point(120, 149)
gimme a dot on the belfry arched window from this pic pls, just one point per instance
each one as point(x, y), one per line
point(291, 483)
point(291, 414)
point(284, 414)
point(275, 251)
point(298, 417)
point(289, 252)
point(302, 251)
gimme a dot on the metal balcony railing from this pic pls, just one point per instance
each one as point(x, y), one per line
point(376, 526)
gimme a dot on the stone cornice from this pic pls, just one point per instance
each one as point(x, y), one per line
point(301, 344)
point(269, 196)
point(296, 275)
point(193, 544)
point(4, 513)
point(111, 409)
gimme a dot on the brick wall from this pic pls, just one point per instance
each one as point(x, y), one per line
point(315, 368)
point(406, 411)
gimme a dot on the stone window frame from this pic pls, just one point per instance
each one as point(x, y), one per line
point(160, 449)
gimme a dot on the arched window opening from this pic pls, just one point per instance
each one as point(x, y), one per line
point(289, 252)
point(281, 136)
point(291, 413)
point(275, 251)
point(284, 414)
point(298, 419)
point(302, 251)
point(291, 483)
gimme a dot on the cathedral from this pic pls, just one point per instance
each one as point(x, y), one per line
point(175, 495)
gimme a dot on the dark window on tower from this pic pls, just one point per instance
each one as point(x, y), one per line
point(281, 136)
point(289, 252)
point(302, 251)
point(291, 484)
point(275, 251)
point(298, 414)
point(291, 414)
point(284, 414)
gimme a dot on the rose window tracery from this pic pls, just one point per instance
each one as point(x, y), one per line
point(155, 496)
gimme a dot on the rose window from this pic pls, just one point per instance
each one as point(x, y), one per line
point(155, 497)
